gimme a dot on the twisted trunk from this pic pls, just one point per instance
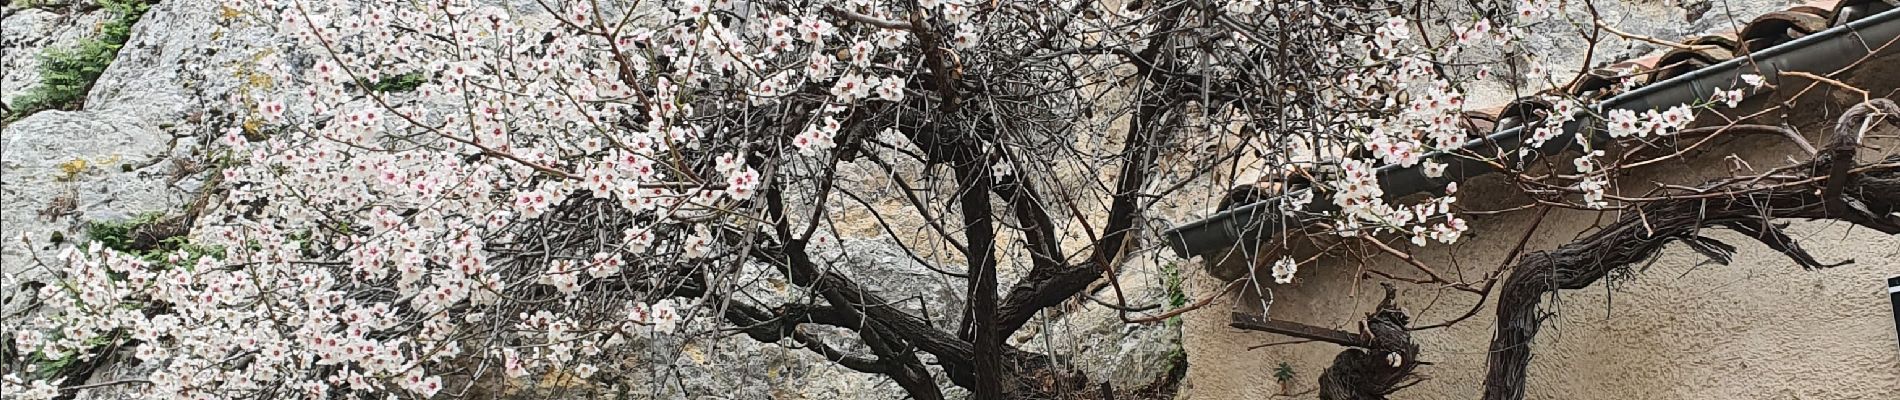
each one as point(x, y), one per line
point(1833, 189)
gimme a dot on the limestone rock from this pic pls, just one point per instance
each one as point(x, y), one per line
point(1093, 338)
point(736, 366)
point(60, 169)
point(25, 33)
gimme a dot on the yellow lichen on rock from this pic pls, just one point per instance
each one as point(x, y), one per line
point(72, 168)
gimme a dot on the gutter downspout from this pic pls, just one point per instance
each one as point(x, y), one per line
point(1819, 53)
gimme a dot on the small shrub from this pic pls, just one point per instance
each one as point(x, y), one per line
point(118, 235)
point(1284, 374)
point(1171, 285)
point(1171, 276)
point(66, 75)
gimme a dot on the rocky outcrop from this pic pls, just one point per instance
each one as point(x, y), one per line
point(25, 33)
point(137, 147)
point(1560, 51)
point(62, 169)
point(1093, 338)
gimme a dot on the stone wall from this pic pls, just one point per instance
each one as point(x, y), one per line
point(1679, 329)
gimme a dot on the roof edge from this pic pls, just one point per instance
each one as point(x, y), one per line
point(1820, 53)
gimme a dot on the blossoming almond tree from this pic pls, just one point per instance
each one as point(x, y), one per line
point(574, 180)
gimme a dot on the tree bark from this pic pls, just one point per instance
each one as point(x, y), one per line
point(1377, 360)
point(1868, 198)
point(979, 231)
point(1048, 285)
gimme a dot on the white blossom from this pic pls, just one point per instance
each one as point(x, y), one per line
point(1283, 270)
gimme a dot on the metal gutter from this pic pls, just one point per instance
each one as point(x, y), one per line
point(1818, 53)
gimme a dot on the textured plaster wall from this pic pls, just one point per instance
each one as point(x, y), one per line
point(1759, 328)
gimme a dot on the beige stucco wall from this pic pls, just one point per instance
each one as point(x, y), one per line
point(1759, 328)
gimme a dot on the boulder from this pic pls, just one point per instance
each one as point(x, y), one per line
point(25, 33)
point(62, 169)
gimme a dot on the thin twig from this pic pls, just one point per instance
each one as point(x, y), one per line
point(104, 384)
point(1403, 256)
point(1203, 302)
point(1651, 40)
point(1864, 96)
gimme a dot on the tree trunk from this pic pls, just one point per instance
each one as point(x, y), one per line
point(1868, 198)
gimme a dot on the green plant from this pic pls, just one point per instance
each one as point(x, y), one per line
point(46, 367)
point(1284, 374)
point(1171, 281)
point(397, 83)
point(1177, 298)
point(118, 235)
point(73, 363)
point(193, 252)
point(66, 74)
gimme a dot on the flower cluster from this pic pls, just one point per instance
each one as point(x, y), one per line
point(1420, 115)
point(1426, 117)
point(1626, 123)
point(368, 235)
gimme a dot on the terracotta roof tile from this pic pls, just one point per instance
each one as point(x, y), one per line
point(1727, 40)
point(1780, 27)
point(1681, 61)
point(1764, 31)
point(1850, 10)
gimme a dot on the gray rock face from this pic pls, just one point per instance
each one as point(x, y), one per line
point(27, 32)
point(738, 367)
point(128, 152)
point(1093, 339)
point(1711, 16)
point(883, 266)
point(1561, 52)
point(60, 169)
point(184, 58)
